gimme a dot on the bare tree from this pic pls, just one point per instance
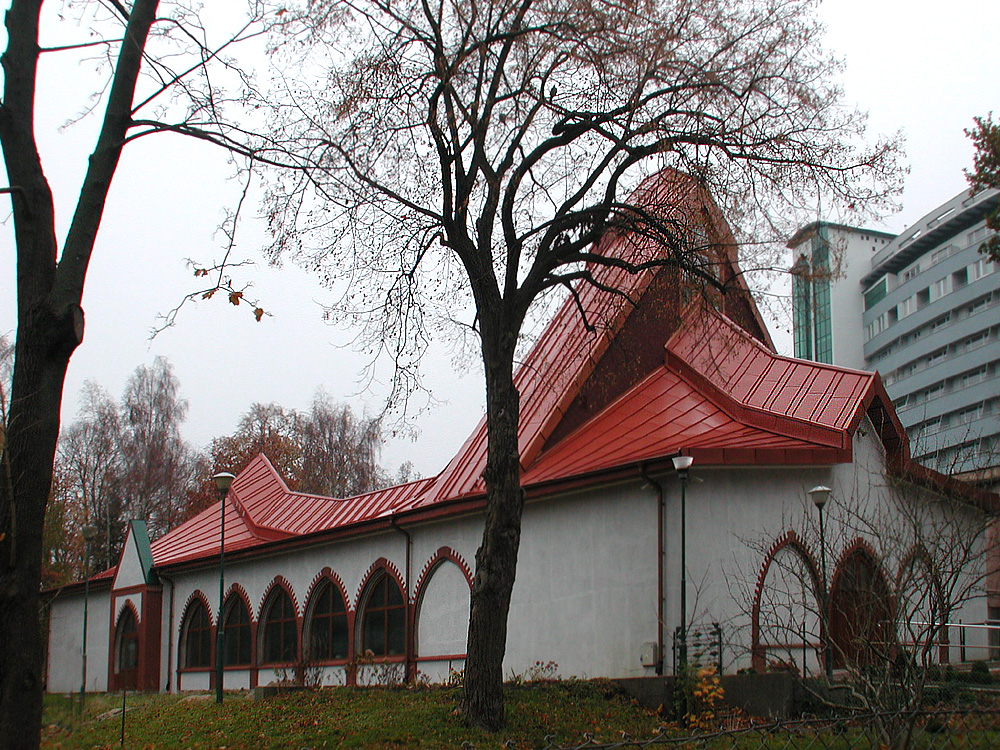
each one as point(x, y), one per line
point(88, 466)
point(157, 467)
point(162, 73)
point(270, 429)
point(119, 461)
point(478, 150)
point(340, 452)
point(907, 556)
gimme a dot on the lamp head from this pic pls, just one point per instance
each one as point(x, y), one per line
point(223, 481)
point(681, 465)
point(89, 533)
point(819, 495)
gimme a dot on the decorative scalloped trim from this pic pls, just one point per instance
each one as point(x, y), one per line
point(390, 569)
point(118, 617)
point(327, 574)
point(279, 581)
point(199, 595)
point(443, 554)
point(238, 590)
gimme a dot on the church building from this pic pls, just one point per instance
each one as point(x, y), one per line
point(619, 551)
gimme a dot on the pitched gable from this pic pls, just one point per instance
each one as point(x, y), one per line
point(135, 564)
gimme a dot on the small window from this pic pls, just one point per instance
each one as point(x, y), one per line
point(979, 269)
point(934, 391)
point(974, 377)
point(969, 415)
point(236, 633)
point(328, 637)
point(941, 322)
point(127, 652)
point(383, 625)
point(936, 357)
point(993, 613)
point(196, 637)
point(978, 235)
point(939, 289)
point(280, 630)
point(974, 342)
point(876, 293)
point(931, 426)
point(907, 307)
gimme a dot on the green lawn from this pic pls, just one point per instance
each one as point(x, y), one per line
point(344, 718)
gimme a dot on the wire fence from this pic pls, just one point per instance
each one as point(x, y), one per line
point(945, 729)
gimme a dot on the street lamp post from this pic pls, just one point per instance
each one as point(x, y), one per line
point(681, 465)
point(819, 495)
point(223, 481)
point(89, 533)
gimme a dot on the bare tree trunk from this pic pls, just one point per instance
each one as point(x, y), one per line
point(42, 356)
point(496, 559)
point(49, 328)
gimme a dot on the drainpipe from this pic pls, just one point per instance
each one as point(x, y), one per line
point(408, 623)
point(659, 566)
point(170, 629)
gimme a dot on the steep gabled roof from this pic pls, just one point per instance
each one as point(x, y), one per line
point(565, 356)
point(260, 508)
point(706, 383)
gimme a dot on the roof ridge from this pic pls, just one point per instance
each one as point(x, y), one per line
point(740, 408)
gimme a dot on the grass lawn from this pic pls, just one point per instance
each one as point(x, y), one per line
point(344, 718)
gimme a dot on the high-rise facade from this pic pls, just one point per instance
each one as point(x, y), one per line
point(830, 261)
point(922, 308)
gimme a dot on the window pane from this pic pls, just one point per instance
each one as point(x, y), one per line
point(374, 632)
point(280, 631)
point(237, 633)
point(198, 638)
point(328, 625)
point(396, 636)
point(338, 638)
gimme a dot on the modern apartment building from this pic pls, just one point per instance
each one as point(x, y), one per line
point(922, 308)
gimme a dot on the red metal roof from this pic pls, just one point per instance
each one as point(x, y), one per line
point(824, 401)
point(718, 393)
point(567, 352)
point(261, 508)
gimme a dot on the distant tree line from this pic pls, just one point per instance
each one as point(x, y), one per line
point(126, 459)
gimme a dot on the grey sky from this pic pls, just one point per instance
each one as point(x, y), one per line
point(925, 68)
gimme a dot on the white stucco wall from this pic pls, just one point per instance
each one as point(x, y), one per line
point(65, 663)
point(585, 595)
point(585, 598)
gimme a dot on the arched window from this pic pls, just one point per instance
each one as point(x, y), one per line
point(383, 624)
point(236, 633)
point(280, 632)
point(328, 637)
point(196, 637)
point(127, 649)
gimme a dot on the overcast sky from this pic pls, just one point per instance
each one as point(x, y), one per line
point(926, 69)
